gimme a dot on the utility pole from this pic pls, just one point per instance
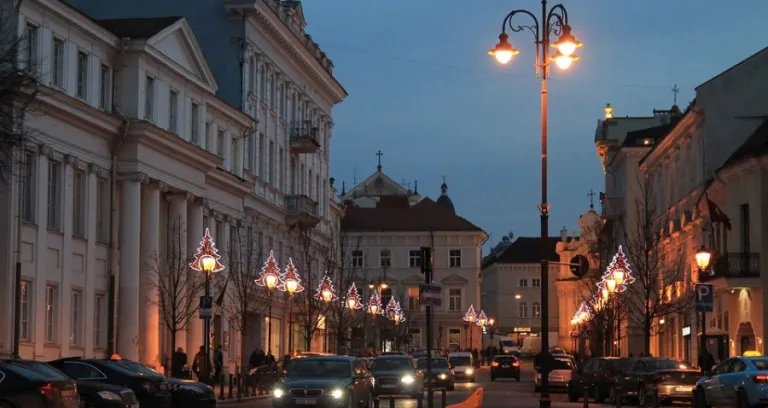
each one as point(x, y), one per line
point(426, 269)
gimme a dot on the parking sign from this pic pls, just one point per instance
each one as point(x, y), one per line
point(705, 297)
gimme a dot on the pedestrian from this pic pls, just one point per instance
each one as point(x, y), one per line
point(706, 361)
point(178, 362)
point(202, 366)
point(218, 362)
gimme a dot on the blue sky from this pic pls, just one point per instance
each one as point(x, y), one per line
point(424, 91)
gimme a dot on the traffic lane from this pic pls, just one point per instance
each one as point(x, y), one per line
point(504, 392)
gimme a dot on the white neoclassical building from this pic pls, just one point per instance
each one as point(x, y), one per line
point(134, 141)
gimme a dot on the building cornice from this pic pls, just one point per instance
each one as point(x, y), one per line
point(663, 148)
point(242, 118)
point(77, 113)
point(229, 182)
point(82, 21)
point(148, 134)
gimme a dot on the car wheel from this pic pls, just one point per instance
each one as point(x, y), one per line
point(642, 396)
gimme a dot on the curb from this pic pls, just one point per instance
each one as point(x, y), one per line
point(228, 402)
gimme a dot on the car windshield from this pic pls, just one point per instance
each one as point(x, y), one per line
point(760, 363)
point(436, 363)
point(391, 364)
point(316, 368)
point(668, 365)
point(459, 361)
point(506, 360)
point(44, 369)
point(620, 364)
point(136, 368)
point(562, 364)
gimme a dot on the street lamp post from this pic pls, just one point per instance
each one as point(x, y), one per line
point(206, 260)
point(291, 284)
point(553, 21)
point(482, 321)
point(703, 258)
point(269, 277)
point(326, 294)
point(471, 318)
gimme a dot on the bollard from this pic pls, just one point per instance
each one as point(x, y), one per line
point(586, 396)
point(443, 397)
point(391, 401)
point(375, 402)
point(617, 395)
point(231, 384)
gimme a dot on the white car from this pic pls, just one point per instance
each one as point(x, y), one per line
point(559, 377)
point(463, 366)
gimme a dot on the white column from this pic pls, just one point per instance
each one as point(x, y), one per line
point(194, 236)
point(150, 252)
point(41, 265)
point(177, 230)
point(130, 265)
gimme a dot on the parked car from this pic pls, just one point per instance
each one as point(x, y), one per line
point(597, 375)
point(674, 380)
point(505, 366)
point(463, 365)
point(24, 387)
point(150, 387)
point(191, 394)
point(559, 377)
point(441, 373)
point(737, 382)
point(397, 375)
point(325, 381)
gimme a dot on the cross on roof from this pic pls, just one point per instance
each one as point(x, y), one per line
point(675, 91)
point(443, 179)
point(591, 196)
point(379, 153)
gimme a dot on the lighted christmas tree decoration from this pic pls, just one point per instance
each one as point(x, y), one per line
point(619, 270)
point(583, 314)
point(397, 314)
point(470, 316)
point(482, 319)
point(269, 276)
point(290, 281)
point(207, 256)
point(353, 299)
point(402, 316)
point(374, 304)
point(391, 308)
point(326, 292)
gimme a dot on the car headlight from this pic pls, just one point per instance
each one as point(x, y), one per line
point(469, 371)
point(278, 393)
point(408, 379)
point(109, 395)
point(337, 393)
point(443, 376)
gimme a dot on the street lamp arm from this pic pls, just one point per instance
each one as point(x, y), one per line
point(518, 28)
point(557, 18)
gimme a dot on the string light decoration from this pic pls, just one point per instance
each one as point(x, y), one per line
point(325, 291)
point(353, 299)
point(619, 271)
point(207, 256)
point(392, 308)
point(470, 316)
point(269, 276)
point(374, 304)
point(402, 316)
point(397, 314)
point(290, 281)
point(482, 319)
point(583, 314)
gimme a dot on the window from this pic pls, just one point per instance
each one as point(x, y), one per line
point(220, 136)
point(173, 112)
point(105, 87)
point(194, 126)
point(454, 339)
point(78, 203)
point(252, 76)
point(208, 138)
point(385, 258)
point(523, 310)
point(535, 282)
point(357, 259)
point(57, 64)
point(102, 211)
point(414, 258)
point(523, 282)
point(25, 311)
point(75, 318)
point(32, 43)
point(263, 85)
point(455, 258)
point(280, 174)
point(82, 74)
point(149, 99)
point(454, 299)
point(262, 153)
point(272, 93)
point(99, 303)
point(54, 195)
point(413, 299)
point(51, 305)
point(233, 156)
point(28, 189)
point(247, 152)
point(272, 162)
point(536, 309)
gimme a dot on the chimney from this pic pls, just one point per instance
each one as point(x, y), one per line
point(564, 234)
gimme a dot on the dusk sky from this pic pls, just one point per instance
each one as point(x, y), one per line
point(423, 90)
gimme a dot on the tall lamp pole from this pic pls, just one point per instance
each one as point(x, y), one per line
point(291, 284)
point(206, 260)
point(553, 21)
point(269, 277)
point(703, 258)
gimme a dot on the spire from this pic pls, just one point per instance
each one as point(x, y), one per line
point(379, 153)
point(591, 196)
point(444, 188)
point(343, 188)
point(416, 187)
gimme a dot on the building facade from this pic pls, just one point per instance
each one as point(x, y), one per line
point(386, 225)
point(137, 151)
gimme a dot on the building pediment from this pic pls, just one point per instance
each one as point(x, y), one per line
point(454, 279)
point(413, 280)
point(377, 184)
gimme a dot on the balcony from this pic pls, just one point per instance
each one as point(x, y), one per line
point(734, 265)
point(304, 137)
point(301, 211)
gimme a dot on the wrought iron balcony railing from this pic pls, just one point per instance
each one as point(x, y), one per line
point(734, 265)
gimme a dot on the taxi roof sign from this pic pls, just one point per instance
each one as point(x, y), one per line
point(115, 357)
point(752, 353)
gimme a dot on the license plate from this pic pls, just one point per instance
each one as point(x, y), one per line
point(67, 393)
point(388, 386)
point(306, 401)
point(683, 389)
point(505, 365)
point(556, 379)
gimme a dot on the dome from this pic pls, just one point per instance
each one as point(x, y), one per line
point(589, 225)
point(444, 200)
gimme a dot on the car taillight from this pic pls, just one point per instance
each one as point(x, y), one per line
point(495, 364)
point(48, 391)
point(760, 379)
point(516, 364)
point(660, 378)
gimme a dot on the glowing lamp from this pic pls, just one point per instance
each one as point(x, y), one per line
point(384, 285)
point(208, 263)
point(567, 43)
point(703, 256)
point(503, 51)
point(491, 322)
point(271, 280)
point(605, 293)
point(564, 61)
point(396, 318)
point(610, 284)
point(374, 309)
point(618, 276)
point(291, 285)
point(327, 295)
point(352, 303)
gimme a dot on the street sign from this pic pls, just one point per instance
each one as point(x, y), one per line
point(579, 265)
point(429, 295)
point(705, 297)
point(206, 307)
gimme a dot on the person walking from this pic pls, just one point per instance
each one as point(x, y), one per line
point(178, 362)
point(218, 363)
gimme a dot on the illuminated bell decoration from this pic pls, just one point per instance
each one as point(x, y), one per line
point(207, 257)
point(325, 291)
point(290, 280)
point(470, 316)
point(269, 276)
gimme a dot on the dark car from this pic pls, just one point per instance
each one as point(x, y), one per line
point(23, 386)
point(150, 387)
point(191, 394)
point(324, 381)
point(598, 376)
point(505, 366)
point(441, 373)
point(673, 380)
point(397, 375)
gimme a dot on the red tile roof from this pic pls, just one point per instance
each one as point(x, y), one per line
point(426, 215)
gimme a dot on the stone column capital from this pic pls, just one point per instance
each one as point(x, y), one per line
point(160, 185)
point(140, 177)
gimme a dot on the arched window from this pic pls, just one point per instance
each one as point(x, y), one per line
point(523, 309)
point(536, 309)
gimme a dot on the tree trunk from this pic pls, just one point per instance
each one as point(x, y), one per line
point(244, 355)
point(173, 350)
point(307, 339)
point(339, 330)
point(647, 336)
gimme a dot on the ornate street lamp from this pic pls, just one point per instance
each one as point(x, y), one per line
point(470, 317)
point(327, 294)
point(703, 258)
point(269, 277)
point(353, 299)
point(291, 284)
point(552, 21)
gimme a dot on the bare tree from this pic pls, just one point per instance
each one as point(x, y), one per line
point(658, 267)
point(343, 273)
point(311, 311)
point(177, 290)
point(19, 87)
point(244, 298)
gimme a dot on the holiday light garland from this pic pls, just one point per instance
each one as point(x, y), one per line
point(270, 273)
point(207, 248)
point(290, 281)
point(470, 316)
point(392, 307)
point(374, 304)
point(325, 291)
point(616, 279)
point(353, 299)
